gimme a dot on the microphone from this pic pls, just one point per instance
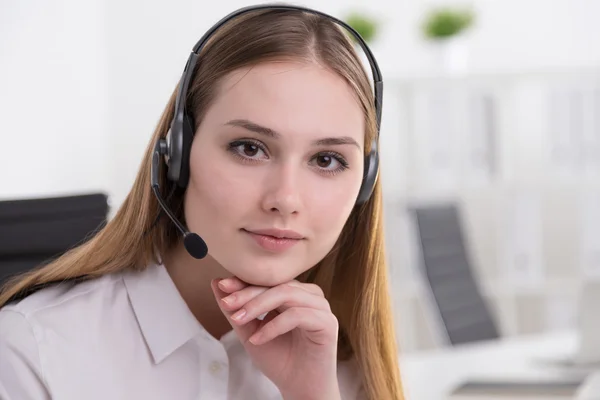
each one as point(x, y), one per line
point(192, 242)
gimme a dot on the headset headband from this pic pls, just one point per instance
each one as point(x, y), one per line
point(197, 49)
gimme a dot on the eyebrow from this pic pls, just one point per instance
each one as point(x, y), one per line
point(263, 130)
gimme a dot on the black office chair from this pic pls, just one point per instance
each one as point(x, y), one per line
point(36, 231)
point(447, 267)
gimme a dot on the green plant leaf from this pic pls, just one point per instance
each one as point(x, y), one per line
point(367, 27)
point(446, 22)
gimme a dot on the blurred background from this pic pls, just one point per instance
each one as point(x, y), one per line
point(490, 149)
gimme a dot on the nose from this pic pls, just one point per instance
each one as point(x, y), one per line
point(282, 191)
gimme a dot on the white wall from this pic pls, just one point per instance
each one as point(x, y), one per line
point(53, 98)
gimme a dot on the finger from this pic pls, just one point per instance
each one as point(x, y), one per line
point(232, 284)
point(243, 332)
point(237, 300)
point(320, 326)
point(279, 298)
point(309, 287)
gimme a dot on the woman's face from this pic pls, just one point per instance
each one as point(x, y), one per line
point(275, 169)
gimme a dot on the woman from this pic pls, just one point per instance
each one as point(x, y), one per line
point(282, 116)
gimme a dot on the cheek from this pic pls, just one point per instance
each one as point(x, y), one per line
point(332, 206)
point(215, 192)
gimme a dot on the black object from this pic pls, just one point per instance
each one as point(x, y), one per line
point(36, 231)
point(447, 267)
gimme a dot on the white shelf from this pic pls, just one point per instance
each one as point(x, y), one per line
point(532, 230)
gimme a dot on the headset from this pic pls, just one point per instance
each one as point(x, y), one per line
point(175, 147)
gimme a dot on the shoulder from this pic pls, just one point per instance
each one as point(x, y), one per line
point(62, 297)
point(57, 304)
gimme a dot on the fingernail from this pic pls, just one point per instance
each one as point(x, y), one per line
point(229, 299)
point(255, 339)
point(238, 315)
point(223, 283)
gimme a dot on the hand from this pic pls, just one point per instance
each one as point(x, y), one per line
point(295, 345)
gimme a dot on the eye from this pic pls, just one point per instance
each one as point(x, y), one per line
point(250, 150)
point(324, 161)
point(330, 162)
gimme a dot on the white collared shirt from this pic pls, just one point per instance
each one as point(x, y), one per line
point(126, 336)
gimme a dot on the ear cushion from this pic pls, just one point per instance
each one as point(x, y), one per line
point(371, 173)
point(187, 137)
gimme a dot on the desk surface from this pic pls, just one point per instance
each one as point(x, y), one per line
point(431, 375)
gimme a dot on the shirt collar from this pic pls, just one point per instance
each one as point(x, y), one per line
point(164, 318)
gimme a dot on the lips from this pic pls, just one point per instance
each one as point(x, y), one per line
point(277, 233)
point(274, 240)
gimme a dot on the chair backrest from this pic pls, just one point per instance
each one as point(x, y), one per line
point(35, 231)
point(447, 267)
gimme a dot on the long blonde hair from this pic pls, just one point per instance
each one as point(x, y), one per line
point(353, 275)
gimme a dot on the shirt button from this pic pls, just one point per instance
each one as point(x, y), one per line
point(215, 367)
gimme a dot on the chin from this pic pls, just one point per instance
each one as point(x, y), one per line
point(267, 273)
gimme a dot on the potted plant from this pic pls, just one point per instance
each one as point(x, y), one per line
point(445, 27)
point(365, 25)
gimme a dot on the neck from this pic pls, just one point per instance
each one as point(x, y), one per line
point(192, 278)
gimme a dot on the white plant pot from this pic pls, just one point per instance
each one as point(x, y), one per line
point(451, 56)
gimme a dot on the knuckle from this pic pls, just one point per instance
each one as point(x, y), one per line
point(310, 287)
point(292, 286)
point(326, 304)
point(333, 321)
point(288, 287)
point(295, 312)
point(317, 289)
